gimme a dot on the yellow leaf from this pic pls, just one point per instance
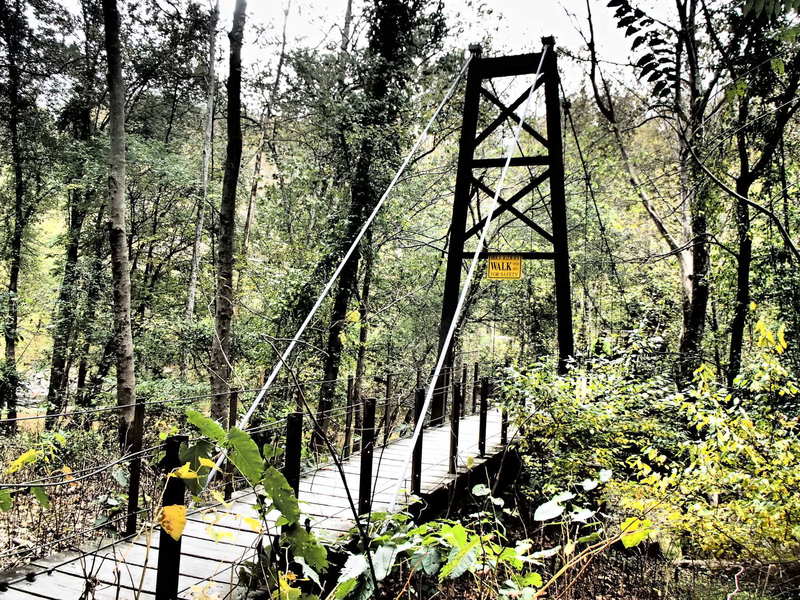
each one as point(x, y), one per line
point(26, 458)
point(67, 471)
point(184, 472)
point(218, 535)
point(204, 592)
point(173, 520)
point(219, 497)
point(253, 524)
point(753, 306)
point(207, 462)
point(353, 316)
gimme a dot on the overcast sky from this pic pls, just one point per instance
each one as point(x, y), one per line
point(515, 26)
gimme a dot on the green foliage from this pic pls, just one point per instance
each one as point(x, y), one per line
point(596, 416)
point(734, 488)
point(273, 490)
point(244, 454)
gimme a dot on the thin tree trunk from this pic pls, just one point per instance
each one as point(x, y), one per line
point(84, 395)
point(221, 360)
point(363, 313)
point(361, 203)
point(67, 308)
point(126, 379)
point(208, 138)
point(743, 263)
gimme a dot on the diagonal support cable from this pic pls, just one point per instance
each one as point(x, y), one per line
point(245, 419)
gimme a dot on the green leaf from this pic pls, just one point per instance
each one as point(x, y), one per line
point(428, 559)
point(5, 500)
point(306, 545)
point(460, 560)
point(41, 496)
point(245, 455)
point(308, 572)
point(345, 587)
point(278, 489)
point(547, 511)
point(270, 452)
point(383, 561)
point(481, 490)
point(634, 531)
point(207, 426)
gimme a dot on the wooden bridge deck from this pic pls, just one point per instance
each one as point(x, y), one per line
point(216, 539)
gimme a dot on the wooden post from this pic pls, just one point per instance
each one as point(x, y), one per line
point(233, 412)
point(503, 426)
point(294, 443)
point(367, 449)
point(347, 447)
point(455, 419)
point(463, 407)
point(416, 457)
point(461, 200)
point(387, 409)
point(169, 550)
point(555, 154)
point(476, 387)
point(482, 421)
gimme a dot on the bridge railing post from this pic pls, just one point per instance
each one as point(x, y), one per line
point(294, 450)
point(367, 450)
point(476, 387)
point(233, 411)
point(455, 420)
point(387, 409)
point(347, 447)
point(169, 549)
point(484, 409)
point(416, 456)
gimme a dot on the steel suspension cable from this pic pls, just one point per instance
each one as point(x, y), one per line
point(467, 284)
point(328, 286)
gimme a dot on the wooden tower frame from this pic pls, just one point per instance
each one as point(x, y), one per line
point(481, 69)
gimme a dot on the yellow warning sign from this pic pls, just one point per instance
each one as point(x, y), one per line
point(505, 266)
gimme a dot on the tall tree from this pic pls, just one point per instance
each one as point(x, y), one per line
point(400, 32)
point(208, 132)
point(77, 119)
point(120, 270)
point(14, 25)
point(221, 361)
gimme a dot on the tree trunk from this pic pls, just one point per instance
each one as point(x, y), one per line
point(743, 262)
point(363, 199)
point(12, 27)
point(694, 317)
point(363, 316)
point(208, 133)
point(67, 308)
point(221, 360)
point(83, 394)
point(130, 427)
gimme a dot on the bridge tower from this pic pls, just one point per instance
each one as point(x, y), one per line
point(550, 163)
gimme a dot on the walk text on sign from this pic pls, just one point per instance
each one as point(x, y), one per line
point(505, 266)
